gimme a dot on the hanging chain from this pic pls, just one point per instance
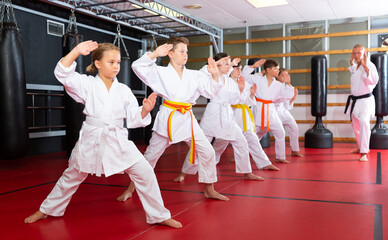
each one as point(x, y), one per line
point(72, 23)
point(7, 9)
point(154, 44)
point(119, 40)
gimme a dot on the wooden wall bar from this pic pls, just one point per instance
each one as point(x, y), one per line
point(258, 40)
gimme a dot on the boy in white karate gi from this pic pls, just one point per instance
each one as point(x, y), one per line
point(103, 146)
point(288, 121)
point(175, 122)
point(218, 122)
point(269, 91)
point(245, 120)
point(363, 79)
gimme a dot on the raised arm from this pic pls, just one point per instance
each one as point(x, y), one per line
point(160, 51)
point(84, 48)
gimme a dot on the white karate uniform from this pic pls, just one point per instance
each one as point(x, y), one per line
point(258, 155)
point(289, 123)
point(364, 109)
point(166, 82)
point(218, 121)
point(276, 92)
point(103, 146)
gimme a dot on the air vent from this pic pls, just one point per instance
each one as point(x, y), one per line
point(55, 28)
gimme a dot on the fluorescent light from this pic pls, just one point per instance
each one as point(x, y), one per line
point(267, 3)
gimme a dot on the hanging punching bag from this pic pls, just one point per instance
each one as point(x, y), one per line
point(379, 134)
point(159, 101)
point(124, 75)
point(13, 122)
point(318, 136)
point(73, 110)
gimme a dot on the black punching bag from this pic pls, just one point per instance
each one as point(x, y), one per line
point(13, 122)
point(379, 135)
point(155, 110)
point(265, 140)
point(124, 75)
point(318, 136)
point(73, 110)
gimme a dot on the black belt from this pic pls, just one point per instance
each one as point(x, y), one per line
point(354, 99)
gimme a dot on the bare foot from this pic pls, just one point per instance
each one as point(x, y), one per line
point(251, 176)
point(171, 223)
point(35, 217)
point(180, 177)
point(282, 160)
point(271, 167)
point(355, 151)
point(211, 193)
point(296, 154)
point(363, 157)
point(127, 193)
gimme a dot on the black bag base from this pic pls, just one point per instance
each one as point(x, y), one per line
point(379, 137)
point(265, 141)
point(318, 136)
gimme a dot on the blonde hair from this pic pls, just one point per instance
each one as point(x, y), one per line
point(99, 53)
point(358, 46)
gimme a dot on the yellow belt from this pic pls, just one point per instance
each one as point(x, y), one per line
point(182, 108)
point(243, 108)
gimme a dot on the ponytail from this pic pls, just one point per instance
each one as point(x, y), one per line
point(91, 68)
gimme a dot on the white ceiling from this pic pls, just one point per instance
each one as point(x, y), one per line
point(240, 13)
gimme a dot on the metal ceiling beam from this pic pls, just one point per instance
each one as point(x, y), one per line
point(138, 17)
point(178, 16)
point(100, 4)
point(72, 4)
point(149, 23)
point(123, 17)
point(121, 11)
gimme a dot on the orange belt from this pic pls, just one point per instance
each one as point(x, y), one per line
point(243, 108)
point(265, 102)
point(182, 108)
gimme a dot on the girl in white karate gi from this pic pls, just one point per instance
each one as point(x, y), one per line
point(218, 122)
point(103, 146)
point(269, 91)
point(288, 121)
point(175, 122)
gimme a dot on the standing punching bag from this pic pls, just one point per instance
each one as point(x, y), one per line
point(379, 135)
point(265, 140)
point(73, 110)
point(13, 121)
point(318, 136)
